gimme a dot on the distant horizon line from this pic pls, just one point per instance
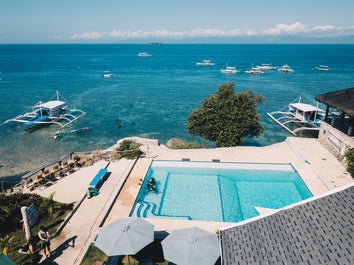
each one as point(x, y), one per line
point(161, 43)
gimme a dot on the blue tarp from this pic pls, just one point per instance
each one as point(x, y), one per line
point(98, 177)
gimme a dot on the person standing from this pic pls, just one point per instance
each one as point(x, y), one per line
point(44, 240)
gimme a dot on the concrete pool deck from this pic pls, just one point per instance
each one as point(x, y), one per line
point(320, 170)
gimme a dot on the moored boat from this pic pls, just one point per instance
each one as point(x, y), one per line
point(205, 63)
point(55, 111)
point(107, 74)
point(229, 70)
point(324, 68)
point(84, 129)
point(299, 117)
point(285, 69)
point(266, 66)
point(144, 54)
point(254, 71)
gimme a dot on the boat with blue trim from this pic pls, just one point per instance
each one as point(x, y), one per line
point(55, 111)
point(299, 117)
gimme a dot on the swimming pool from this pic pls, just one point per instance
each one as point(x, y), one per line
point(220, 192)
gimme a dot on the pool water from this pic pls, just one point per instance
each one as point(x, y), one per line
point(220, 192)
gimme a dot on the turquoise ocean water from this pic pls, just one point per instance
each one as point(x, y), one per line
point(151, 96)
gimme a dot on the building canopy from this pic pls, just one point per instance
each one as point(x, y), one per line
point(342, 100)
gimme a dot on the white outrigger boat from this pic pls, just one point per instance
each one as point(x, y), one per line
point(55, 111)
point(299, 117)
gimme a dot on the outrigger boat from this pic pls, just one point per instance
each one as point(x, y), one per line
point(299, 117)
point(55, 111)
point(63, 133)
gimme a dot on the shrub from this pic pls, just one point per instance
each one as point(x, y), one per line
point(129, 149)
point(349, 154)
point(180, 144)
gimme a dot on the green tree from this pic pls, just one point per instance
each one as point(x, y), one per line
point(226, 118)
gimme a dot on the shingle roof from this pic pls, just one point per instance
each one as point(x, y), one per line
point(319, 231)
point(342, 100)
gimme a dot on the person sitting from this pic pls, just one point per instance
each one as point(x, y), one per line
point(44, 240)
point(33, 250)
point(151, 184)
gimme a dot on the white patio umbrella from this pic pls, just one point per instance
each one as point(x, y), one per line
point(191, 246)
point(125, 236)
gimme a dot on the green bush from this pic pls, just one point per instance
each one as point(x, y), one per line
point(129, 149)
point(350, 161)
point(12, 236)
point(180, 144)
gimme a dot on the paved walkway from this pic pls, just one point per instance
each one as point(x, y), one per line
point(72, 243)
point(320, 170)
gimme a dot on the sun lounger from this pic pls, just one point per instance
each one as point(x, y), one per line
point(96, 183)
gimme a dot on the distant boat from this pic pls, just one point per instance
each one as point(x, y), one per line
point(324, 68)
point(266, 66)
point(144, 54)
point(107, 74)
point(254, 71)
point(205, 63)
point(229, 70)
point(285, 69)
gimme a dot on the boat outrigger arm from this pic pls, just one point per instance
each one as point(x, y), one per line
point(50, 112)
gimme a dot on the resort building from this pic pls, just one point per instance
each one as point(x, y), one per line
point(337, 131)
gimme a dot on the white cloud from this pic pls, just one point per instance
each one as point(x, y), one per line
point(281, 29)
point(301, 29)
point(93, 35)
point(297, 29)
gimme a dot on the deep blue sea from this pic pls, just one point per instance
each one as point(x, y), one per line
point(151, 96)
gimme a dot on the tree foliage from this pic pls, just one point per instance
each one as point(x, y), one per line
point(226, 118)
point(10, 210)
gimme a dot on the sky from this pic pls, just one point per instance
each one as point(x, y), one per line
point(176, 21)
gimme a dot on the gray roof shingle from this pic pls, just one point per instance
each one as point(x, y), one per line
point(319, 231)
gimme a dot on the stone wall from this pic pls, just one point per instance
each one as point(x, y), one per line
point(336, 141)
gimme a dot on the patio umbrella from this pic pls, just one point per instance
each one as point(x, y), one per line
point(125, 236)
point(191, 246)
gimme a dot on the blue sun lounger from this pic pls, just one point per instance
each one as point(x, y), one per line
point(96, 182)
